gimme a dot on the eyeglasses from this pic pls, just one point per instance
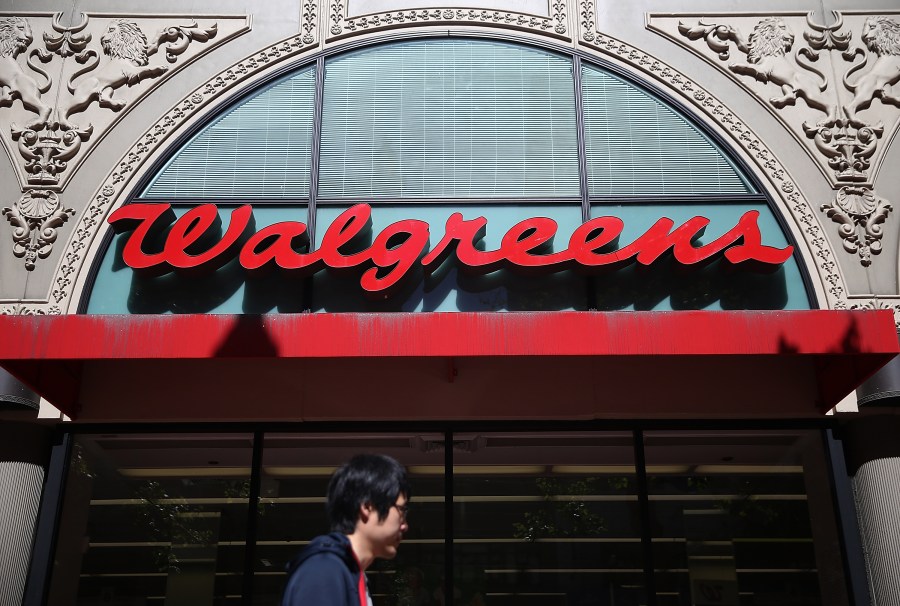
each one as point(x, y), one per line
point(403, 510)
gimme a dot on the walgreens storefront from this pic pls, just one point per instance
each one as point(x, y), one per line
point(582, 319)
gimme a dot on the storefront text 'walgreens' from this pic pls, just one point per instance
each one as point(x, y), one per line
point(401, 245)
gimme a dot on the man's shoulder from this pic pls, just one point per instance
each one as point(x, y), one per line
point(322, 557)
point(325, 551)
point(321, 574)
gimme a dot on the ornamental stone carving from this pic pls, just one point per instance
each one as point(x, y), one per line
point(859, 214)
point(802, 213)
point(551, 23)
point(102, 65)
point(51, 139)
point(35, 217)
point(15, 83)
point(851, 118)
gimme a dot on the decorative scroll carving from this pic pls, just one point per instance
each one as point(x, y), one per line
point(308, 22)
point(177, 38)
point(50, 139)
point(745, 137)
point(60, 115)
point(30, 310)
point(35, 217)
point(845, 142)
point(68, 41)
point(587, 21)
point(858, 209)
point(343, 25)
point(48, 142)
point(870, 302)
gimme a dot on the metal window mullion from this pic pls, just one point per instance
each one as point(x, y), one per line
point(448, 512)
point(252, 518)
point(640, 465)
point(589, 281)
point(315, 147)
point(582, 154)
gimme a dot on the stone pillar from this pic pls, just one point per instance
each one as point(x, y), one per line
point(872, 450)
point(24, 449)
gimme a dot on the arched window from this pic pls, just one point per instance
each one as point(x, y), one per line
point(424, 128)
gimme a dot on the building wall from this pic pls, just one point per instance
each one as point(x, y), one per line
point(839, 214)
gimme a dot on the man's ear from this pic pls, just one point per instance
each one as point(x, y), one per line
point(365, 511)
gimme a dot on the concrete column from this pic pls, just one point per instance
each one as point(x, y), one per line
point(24, 449)
point(872, 448)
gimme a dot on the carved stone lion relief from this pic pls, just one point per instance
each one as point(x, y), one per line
point(63, 86)
point(843, 123)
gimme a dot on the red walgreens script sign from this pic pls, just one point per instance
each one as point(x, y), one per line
point(399, 246)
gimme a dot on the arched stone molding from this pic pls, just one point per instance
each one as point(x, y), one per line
point(85, 243)
point(343, 23)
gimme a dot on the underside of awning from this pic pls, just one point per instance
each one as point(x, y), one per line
point(542, 365)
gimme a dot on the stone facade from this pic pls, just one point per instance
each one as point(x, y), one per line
point(806, 93)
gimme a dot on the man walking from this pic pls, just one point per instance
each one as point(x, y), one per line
point(367, 505)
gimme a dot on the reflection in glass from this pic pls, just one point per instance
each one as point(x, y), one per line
point(742, 518)
point(544, 518)
point(295, 474)
point(156, 519)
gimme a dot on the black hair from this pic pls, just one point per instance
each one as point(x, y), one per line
point(366, 478)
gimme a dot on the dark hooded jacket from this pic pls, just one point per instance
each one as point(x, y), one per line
point(325, 573)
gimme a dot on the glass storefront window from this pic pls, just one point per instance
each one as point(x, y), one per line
point(739, 518)
point(295, 473)
point(546, 518)
point(153, 519)
point(742, 518)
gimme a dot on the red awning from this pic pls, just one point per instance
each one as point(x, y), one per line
point(447, 365)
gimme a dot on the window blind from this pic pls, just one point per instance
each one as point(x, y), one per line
point(258, 149)
point(636, 145)
point(448, 119)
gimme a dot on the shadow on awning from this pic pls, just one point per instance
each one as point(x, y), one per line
point(553, 365)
